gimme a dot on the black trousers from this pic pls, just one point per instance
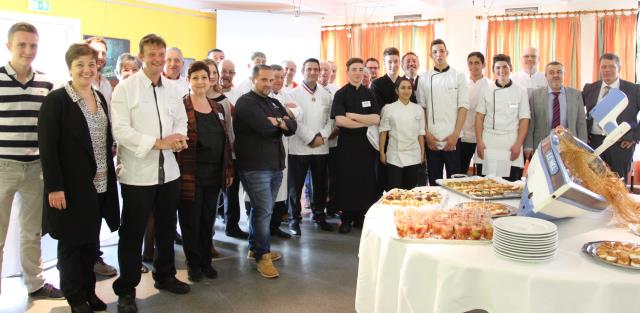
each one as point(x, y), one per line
point(75, 264)
point(402, 177)
point(232, 205)
point(196, 221)
point(438, 159)
point(331, 178)
point(515, 173)
point(467, 150)
point(138, 203)
point(297, 171)
point(618, 159)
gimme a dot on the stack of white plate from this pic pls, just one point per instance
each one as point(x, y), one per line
point(525, 239)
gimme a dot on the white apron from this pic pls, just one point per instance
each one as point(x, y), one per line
point(498, 150)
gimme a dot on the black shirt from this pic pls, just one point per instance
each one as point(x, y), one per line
point(258, 144)
point(348, 99)
point(385, 90)
point(210, 149)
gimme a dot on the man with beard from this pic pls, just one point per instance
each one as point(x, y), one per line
point(410, 65)
point(373, 65)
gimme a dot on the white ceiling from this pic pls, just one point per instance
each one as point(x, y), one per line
point(351, 11)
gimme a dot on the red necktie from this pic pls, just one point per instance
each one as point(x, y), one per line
point(555, 121)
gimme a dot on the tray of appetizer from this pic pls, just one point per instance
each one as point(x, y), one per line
point(497, 209)
point(456, 225)
point(417, 197)
point(483, 188)
point(616, 253)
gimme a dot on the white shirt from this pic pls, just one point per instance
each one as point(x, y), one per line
point(233, 94)
point(503, 114)
point(183, 84)
point(596, 129)
point(136, 127)
point(244, 86)
point(332, 142)
point(442, 94)
point(284, 97)
point(316, 119)
point(525, 81)
point(104, 86)
point(476, 89)
point(404, 123)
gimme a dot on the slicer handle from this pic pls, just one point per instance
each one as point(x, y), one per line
point(612, 138)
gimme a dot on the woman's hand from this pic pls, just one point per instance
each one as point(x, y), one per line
point(57, 200)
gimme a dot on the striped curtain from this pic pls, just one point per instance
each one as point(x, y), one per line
point(341, 44)
point(557, 39)
point(617, 34)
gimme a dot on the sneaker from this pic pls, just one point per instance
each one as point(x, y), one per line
point(274, 256)
point(267, 269)
point(47, 292)
point(173, 285)
point(294, 228)
point(209, 272)
point(104, 269)
point(127, 304)
point(96, 303)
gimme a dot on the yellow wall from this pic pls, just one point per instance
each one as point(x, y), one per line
point(192, 31)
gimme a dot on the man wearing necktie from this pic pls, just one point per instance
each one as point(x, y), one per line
point(553, 106)
point(619, 155)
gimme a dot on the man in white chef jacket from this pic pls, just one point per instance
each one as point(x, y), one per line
point(502, 121)
point(529, 77)
point(442, 91)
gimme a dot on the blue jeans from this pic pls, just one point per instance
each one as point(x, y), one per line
point(262, 187)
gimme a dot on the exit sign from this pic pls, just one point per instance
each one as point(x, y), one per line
point(39, 5)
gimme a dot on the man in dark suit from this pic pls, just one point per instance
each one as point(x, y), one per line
point(619, 155)
point(410, 65)
point(552, 106)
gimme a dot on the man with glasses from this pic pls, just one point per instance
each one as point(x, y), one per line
point(529, 77)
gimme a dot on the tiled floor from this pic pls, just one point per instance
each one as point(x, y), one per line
point(318, 274)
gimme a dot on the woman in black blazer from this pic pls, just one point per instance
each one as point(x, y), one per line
point(74, 136)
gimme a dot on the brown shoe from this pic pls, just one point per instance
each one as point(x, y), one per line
point(266, 267)
point(275, 256)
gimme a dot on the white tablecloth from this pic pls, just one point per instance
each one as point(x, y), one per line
point(401, 276)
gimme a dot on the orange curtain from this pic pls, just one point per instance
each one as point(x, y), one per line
point(557, 39)
point(617, 34)
point(338, 47)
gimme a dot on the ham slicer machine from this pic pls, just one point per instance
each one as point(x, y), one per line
point(550, 192)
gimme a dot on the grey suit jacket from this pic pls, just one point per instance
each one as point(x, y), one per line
point(539, 125)
point(590, 93)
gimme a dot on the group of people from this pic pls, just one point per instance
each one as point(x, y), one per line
point(181, 141)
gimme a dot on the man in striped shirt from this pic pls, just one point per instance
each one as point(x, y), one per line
point(22, 91)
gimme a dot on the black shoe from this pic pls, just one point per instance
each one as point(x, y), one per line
point(294, 228)
point(280, 234)
point(237, 234)
point(195, 274)
point(322, 223)
point(82, 308)
point(178, 239)
point(173, 285)
point(127, 304)
point(345, 228)
point(210, 272)
point(96, 304)
point(47, 292)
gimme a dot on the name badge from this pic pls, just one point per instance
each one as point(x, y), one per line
point(366, 104)
point(220, 116)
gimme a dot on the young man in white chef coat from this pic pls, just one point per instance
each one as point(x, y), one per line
point(477, 84)
point(442, 91)
point(502, 121)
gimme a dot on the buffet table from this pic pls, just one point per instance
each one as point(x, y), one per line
point(403, 276)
